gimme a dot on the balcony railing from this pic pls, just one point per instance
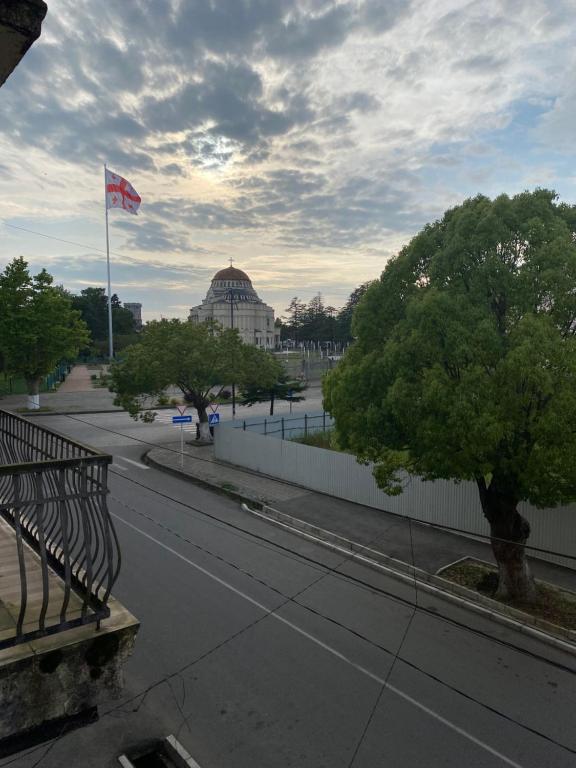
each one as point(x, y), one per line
point(62, 545)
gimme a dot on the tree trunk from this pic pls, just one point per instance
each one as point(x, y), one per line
point(33, 386)
point(509, 532)
point(204, 427)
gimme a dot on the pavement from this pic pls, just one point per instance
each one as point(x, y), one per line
point(422, 546)
point(261, 648)
point(77, 395)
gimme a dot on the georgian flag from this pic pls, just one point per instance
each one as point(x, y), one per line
point(121, 194)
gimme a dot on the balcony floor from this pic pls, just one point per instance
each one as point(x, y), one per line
point(10, 594)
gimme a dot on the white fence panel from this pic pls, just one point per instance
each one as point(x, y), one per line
point(340, 475)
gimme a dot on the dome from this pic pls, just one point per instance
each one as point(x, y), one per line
point(231, 273)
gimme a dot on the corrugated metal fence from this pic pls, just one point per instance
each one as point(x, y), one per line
point(340, 475)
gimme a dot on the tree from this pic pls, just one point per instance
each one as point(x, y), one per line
point(344, 319)
point(38, 326)
point(264, 379)
point(294, 320)
point(464, 366)
point(198, 358)
point(92, 303)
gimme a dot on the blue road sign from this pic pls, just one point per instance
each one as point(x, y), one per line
point(213, 418)
point(181, 419)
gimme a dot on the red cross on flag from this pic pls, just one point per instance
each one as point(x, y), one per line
point(121, 194)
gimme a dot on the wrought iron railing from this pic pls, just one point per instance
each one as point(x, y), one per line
point(53, 495)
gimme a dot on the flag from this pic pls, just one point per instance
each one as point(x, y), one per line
point(121, 194)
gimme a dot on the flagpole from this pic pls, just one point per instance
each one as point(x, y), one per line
point(110, 340)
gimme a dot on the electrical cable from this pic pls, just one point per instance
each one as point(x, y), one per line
point(384, 685)
point(358, 581)
point(71, 242)
point(287, 599)
point(418, 521)
point(395, 654)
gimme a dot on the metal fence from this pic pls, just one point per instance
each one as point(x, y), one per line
point(53, 495)
point(10, 385)
point(287, 427)
point(338, 474)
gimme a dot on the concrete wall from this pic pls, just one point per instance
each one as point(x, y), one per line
point(62, 675)
point(340, 475)
point(20, 25)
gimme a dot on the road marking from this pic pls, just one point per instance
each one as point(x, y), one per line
point(117, 466)
point(136, 463)
point(432, 713)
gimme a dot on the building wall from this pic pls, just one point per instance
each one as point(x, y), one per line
point(254, 322)
point(136, 309)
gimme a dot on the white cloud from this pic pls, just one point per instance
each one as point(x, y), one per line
point(307, 138)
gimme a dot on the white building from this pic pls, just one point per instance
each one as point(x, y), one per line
point(233, 303)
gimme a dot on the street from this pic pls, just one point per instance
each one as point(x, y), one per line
point(259, 649)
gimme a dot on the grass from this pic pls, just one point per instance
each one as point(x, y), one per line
point(228, 486)
point(553, 604)
point(325, 439)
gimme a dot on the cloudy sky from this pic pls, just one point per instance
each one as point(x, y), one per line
point(307, 139)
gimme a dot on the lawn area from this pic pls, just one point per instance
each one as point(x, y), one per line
point(325, 439)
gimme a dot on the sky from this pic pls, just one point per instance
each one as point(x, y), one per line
point(308, 140)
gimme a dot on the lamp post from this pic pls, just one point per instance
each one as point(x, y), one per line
point(230, 298)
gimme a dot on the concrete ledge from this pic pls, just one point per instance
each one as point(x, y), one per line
point(558, 637)
point(62, 675)
point(20, 26)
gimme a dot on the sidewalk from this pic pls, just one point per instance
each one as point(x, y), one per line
point(427, 548)
point(75, 395)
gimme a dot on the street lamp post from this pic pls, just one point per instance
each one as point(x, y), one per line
point(230, 298)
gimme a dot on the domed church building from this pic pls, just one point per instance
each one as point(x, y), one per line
point(233, 303)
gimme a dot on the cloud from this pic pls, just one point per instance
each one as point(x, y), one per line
point(313, 131)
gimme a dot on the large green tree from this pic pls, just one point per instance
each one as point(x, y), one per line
point(201, 359)
point(464, 366)
point(38, 326)
point(344, 318)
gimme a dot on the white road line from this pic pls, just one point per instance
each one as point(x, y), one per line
point(136, 463)
point(117, 466)
point(328, 648)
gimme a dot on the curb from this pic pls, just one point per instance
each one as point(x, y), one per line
point(78, 413)
point(240, 497)
point(432, 584)
point(398, 569)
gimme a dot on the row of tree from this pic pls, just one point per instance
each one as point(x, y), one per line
point(317, 322)
point(92, 304)
point(42, 324)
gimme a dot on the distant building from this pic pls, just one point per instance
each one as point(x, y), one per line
point(233, 303)
point(136, 309)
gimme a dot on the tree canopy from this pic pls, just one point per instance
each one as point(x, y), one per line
point(38, 326)
point(92, 303)
point(201, 359)
point(265, 380)
point(314, 321)
point(464, 366)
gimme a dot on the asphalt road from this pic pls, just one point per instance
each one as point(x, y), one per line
point(260, 649)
